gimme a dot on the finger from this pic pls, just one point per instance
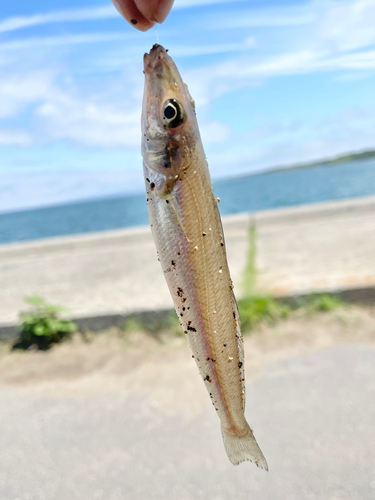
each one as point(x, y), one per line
point(154, 10)
point(131, 13)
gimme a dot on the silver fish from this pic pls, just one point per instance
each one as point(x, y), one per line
point(188, 234)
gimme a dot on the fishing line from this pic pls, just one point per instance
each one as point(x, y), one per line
point(157, 34)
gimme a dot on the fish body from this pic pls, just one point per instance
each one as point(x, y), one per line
point(188, 234)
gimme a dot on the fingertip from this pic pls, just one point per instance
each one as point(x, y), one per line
point(129, 10)
point(154, 10)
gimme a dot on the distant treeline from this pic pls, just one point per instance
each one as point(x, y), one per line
point(351, 157)
point(364, 155)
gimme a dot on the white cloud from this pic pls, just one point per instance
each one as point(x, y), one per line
point(184, 4)
point(15, 137)
point(355, 61)
point(52, 41)
point(266, 20)
point(347, 25)
point(218, 48)
point(210, 82)
point(20, 89)
point(32, 190)
point(89, 14)
point(89, 120)
point(255, 16)
point(335, 38)
point(287, 143)
point(178, 50)
point(352, 76)
point(60, 110)
point(214, 132)
point(332, 33)
point(300, 62)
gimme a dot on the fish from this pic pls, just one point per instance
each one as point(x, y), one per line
point(188, 234)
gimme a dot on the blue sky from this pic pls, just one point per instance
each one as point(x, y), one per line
point(275, 83)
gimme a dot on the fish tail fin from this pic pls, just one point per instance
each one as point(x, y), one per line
point(241, 448)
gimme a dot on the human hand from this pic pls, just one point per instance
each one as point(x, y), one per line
point(143, 14)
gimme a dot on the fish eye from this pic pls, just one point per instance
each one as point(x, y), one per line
point(173, 114)
point(170, 112)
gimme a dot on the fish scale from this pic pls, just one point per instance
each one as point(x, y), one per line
point(188, 234)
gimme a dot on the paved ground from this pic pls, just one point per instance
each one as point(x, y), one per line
point(128, 418)
point(319, 247)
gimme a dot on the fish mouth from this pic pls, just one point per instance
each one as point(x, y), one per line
point(151, 60)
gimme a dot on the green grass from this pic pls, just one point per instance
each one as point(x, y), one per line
point(260, 309)
point(42, 326)
point(255, 308)
point(250, 273)
point(322, 303)
point(154, 324)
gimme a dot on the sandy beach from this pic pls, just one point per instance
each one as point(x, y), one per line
point(304, 249)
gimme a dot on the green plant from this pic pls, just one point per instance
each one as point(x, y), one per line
point(42, 326)
point(322, 303)
point(133, 324)
point(254, 308)
point(154, 324)
point(257, 309)
point(250, 270)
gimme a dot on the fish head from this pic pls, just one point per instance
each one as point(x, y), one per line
point(170, 133)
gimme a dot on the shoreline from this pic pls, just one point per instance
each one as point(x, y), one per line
point(319, 247)
point(362, 156)
point(357, 203)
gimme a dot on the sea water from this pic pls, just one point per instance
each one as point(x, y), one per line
point(242, 194)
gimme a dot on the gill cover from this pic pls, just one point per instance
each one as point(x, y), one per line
point(169, 127)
